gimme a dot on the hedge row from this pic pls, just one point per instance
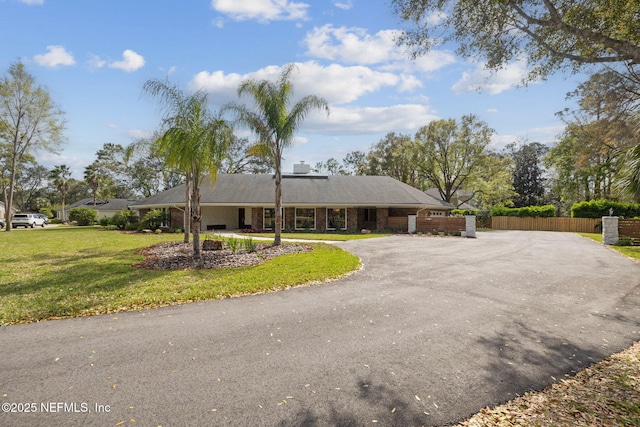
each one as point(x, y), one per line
point(545, 211)
point(600, 208)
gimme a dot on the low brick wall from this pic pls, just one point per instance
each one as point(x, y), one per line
point(440, 223)
point(629, 227)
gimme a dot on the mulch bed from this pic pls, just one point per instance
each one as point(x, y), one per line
point(179, 256)
point(604, 394)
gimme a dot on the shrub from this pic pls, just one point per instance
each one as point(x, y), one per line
point(546, 211)
point(46, 211)
point(249, 245)
point(83, 216)
point(624, 241)
point(124, 218)
point(600, 208)
point(233, 244)
point(154, 219)
point(104, 221)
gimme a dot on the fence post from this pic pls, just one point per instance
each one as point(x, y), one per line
point(610, 230)
point(470, 225)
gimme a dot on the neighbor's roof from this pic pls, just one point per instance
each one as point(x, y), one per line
point(300, 190)
point(103, 205)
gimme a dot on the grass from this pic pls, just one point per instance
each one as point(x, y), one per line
point(630, 251)
point(336, 237)
point(78, 271)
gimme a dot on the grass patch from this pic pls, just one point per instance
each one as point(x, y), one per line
point(630, 251)
point(77, 271)
point(336, 237)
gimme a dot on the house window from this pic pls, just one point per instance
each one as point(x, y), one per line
point(305, 219)
point(436, 213)
point(370, 214)
point(336, 219)
point(269, 222)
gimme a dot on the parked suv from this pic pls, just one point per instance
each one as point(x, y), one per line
point(26, 220)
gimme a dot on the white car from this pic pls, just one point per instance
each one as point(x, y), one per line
point(26, 220)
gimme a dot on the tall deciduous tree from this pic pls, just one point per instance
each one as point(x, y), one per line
point(528, 174)
point(194, 141)
point(275, 122)
point(550, 34)
point(448, 154)
point(60, 177)
point(29, 120)
point(393, 156)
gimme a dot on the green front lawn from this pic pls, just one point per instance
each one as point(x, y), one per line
point(630, 251)
point(78, 271)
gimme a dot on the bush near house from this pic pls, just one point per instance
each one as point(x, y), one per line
point(83, 216)
point(154, 219)
point(600, 208)
point(546, 211)
point(124, 219)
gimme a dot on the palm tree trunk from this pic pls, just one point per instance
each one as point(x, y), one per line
point(196, 219)
point(278, 211)
point(187, 209)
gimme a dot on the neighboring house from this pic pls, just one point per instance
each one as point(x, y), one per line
point(104, 208)
point(461, 199)
point(3, 211)
point(313, 202)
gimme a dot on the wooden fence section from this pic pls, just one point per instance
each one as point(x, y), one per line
point(575, 225)
point(440, 223)
point(629, 227)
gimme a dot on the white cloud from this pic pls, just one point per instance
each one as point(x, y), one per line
point(262, 10)
point(354, 45)
point(335, 83)
point(95, 62)
point(351, 45)
point(369, 120)
point(218, 22)
point(345, 5)
point(131, 61)
point(32, 2)
point(57, 56)
point(492, 82)
point(140, 134)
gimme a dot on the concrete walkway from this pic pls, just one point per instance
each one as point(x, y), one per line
point(430, 331)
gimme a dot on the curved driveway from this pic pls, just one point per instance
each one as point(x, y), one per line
point(430, 331)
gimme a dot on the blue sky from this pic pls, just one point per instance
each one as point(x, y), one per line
point(94, 57)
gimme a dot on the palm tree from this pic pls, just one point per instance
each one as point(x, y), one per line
point(60, 177)
point(194, 141)
point(92, 177)
point(630, 182)
point(274, 123)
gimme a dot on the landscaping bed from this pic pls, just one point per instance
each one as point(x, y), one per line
point(179, 256)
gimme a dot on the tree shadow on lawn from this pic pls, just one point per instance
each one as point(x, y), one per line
point(72, 285)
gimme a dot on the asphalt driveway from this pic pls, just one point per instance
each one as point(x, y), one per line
point(429, 332)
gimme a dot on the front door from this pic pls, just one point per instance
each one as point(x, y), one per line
point(241, 223)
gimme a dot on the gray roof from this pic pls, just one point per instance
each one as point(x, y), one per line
point(103, 205)
point(300, 190)
point(460, 194)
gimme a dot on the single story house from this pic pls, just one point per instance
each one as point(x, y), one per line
point(3, 211)
point(310, 202)
point(104, 208)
